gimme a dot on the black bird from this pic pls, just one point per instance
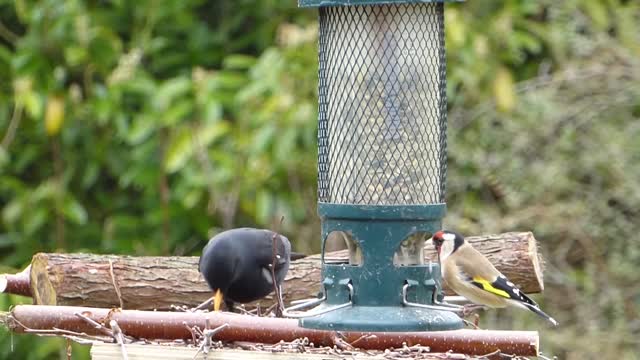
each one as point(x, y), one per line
point(237, 265)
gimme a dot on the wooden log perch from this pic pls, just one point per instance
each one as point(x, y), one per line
point(148, 283)
point(155, 325)
point(17, 284)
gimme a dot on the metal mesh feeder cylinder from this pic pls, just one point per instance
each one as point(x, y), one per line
point(381, 163)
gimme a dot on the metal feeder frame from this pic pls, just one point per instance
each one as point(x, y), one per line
point(381, 165)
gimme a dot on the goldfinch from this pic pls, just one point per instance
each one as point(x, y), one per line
point(468, 273)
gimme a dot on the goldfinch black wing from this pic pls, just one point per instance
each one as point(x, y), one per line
point(501, 286)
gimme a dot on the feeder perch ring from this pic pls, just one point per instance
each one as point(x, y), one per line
point(441, 306)
point(290, 312)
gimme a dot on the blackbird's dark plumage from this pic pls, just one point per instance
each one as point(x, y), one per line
point(238, 263)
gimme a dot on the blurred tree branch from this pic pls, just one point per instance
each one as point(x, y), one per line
point(8, 35)
point(13, 126)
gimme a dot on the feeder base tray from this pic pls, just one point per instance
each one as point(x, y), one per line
point(383, 318)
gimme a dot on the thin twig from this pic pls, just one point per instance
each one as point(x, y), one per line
point(470, 324)
point(497, 352)
point(245, 345)
point(115, 284)
point(193, 333)
point(69, 349)
point(245, 311)
point(204, 305)
point(79, 340)
point(365, 336)
point(181, 308)
point(207, 335)
point(276, 287)
point(338, 340)
point(95, 324)
point(543, 357)
point(269, 309)
point(119, 336)
point(54, 331)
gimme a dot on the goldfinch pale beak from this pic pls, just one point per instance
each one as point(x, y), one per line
point(217, 300)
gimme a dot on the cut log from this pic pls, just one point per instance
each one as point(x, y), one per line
point(148, 283)
point(16, 284)
point(153, 325)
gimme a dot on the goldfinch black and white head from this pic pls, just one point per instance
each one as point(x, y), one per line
point(470, 274)
point(447, 242)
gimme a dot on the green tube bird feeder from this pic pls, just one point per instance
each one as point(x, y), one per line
point(381, 164)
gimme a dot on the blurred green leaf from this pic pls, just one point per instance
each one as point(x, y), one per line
point(12, 212)
point(238, 62)
point(168, 92)
point(4, 157)
point(598, 13)
point(186, 142)
point(142, 128)
point(34, 220)
point(74, 211)
point(179, 151)
point(177, 112)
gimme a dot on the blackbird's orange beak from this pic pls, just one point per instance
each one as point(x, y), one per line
point(217, 300)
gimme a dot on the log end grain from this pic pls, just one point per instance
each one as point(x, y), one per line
point(43, 291)
point(536, 260)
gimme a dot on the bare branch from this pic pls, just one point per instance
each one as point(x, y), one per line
point(233, 327)
point(119, 336)
point(7, 34)
point(274, 259)
point(13, 126)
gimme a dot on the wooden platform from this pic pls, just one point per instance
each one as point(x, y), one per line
point(104, 351)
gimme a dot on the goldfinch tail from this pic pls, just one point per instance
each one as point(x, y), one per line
point(541, 313)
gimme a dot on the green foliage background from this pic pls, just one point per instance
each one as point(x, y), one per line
point(145, 127)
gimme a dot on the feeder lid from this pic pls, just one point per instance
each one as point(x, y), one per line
point(320, 3)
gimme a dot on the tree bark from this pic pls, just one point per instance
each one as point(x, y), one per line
point(155, 325)
point(148, 283)
point(17, 284)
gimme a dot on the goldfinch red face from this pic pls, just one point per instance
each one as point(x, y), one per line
point(438, 239)
point(445, 243)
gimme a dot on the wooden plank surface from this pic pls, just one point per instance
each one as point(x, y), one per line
point(104, 351)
